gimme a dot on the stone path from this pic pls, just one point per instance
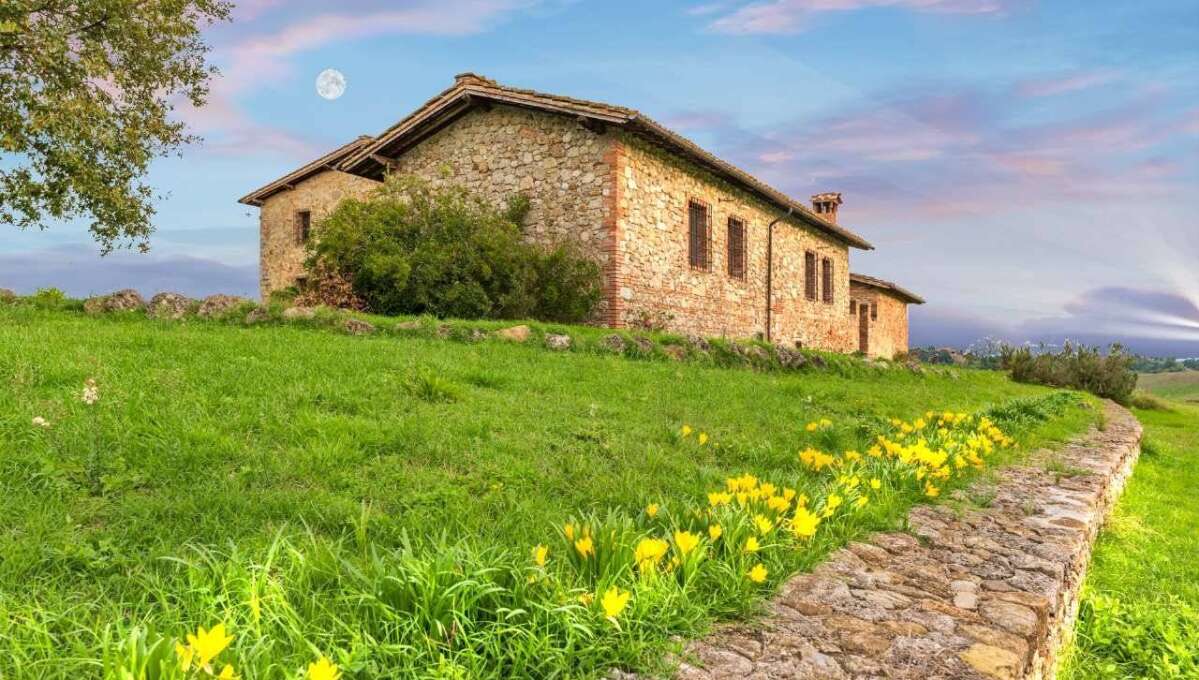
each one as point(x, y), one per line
point(986, 594)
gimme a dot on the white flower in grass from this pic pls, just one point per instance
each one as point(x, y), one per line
point(39, 421)
point(91, 392)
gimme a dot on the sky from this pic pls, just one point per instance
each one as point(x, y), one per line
point(1030, 168)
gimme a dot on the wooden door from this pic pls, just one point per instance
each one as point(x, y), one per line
point(864, 328)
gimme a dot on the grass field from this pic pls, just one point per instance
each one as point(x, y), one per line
point(1182, 386)
point(1140, 613)
point(376, 498)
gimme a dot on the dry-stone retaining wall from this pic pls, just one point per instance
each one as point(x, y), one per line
point(984, 594)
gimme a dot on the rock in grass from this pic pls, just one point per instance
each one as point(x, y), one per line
point(215, 306)
point(698, 343)
point(644, 344)
point(293, 313)
point(613, 343)
point(172, 306)
point(7, 297)
point(358, 327)
point(127, 300)
point(675, 352)
point(256, 316)
point(557, 341)
point(516, 333)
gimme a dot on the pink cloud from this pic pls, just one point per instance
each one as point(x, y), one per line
point(790, 16)
point(1048, 87)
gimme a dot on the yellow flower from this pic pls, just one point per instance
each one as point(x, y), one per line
point(540, 552)
point(703, 438)
point(686, 431)
point(649, 551)
point(227, 673)
point(876, 484)
point(825, 422)
point(853, 456)
point(862, 501)
point(585, 546)
point(763, 524)
point(751, 545)
point(757, 574)
point(569, 530)
point(207, 644)
point(614, 601)
point(833, 502)
point(811, 427)
point(651, 509)
point(685, 541)
point(788, 493)
point(323, 669)
point(185, 654)
point(586, 599)
point(779, 503)
point(719, 498)
point(715, 532)
point(930, 490)
point(804, 523)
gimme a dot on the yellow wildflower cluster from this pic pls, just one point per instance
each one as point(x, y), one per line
point(748, 523)
point(206, 644)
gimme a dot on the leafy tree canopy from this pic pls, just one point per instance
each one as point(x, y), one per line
point(86, 92)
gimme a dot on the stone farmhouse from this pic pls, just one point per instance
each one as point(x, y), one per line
point(684, 238)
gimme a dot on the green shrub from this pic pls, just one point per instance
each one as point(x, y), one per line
point(412, 248)
point(49, 298)
point(1085, 368)
point(1149, 402)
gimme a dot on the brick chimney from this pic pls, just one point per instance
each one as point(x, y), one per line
point(826, 205)
point(472, 79)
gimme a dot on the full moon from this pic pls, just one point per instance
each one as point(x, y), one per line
point(330, 84)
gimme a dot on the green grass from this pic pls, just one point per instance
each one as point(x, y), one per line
point(1140, 612)
point(376, 498)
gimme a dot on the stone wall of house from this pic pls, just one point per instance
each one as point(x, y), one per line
point(653, 190)
point(281, 254)
point(889, 326)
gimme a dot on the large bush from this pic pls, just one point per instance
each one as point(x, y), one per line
point(412, 248)
point(1086, 368)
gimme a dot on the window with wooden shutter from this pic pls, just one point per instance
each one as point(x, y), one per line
point(809, 283)
point(736, 248)
point(303, 226)
point(853, 306)
point(826, 283)
point(874, 312)
point(699, 236)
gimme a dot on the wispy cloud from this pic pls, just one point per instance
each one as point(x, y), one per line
point(1065, 83)
point(792, 16)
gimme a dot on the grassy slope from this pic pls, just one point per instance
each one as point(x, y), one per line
point(1146, 557)
point(1181, 386)
point(221, 435)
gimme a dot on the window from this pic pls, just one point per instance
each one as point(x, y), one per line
point(699, 236)
point(736, 248)
point(874, 312)
point(826, 279)
point(853, 306)
point(303, 226)
point(809, 283)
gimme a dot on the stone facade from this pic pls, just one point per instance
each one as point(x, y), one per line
point(886, 318)
point(281, 253)
point(657, 279)
point(618, 195)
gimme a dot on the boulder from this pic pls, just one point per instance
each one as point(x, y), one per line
point(256, 316)
point(613, 343)
point(358, 327)
point(675, 352)
point(171, 306)
point(516, 333)
point(127, 300)
point(215, 306)
point(789, 358)
point(558, 342)
point(644, 344)
point(293, 313)
point(698, 343)
point(409, 326)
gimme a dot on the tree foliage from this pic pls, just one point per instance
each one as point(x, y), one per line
point(412, 248)
point(86, 92)
point(1085, 368)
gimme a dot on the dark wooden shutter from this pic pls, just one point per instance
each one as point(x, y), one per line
point(303, 226)
point(699, 236)
point(810, 275)
point(827, 283)
point(736, 248)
